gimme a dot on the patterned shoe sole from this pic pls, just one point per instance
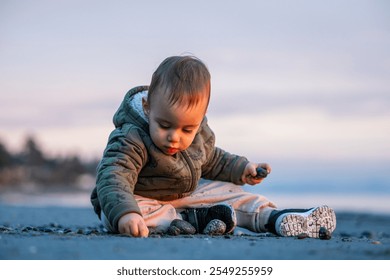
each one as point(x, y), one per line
point(309, 222)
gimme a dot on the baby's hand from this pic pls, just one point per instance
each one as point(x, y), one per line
point(133, 224)
point(249, 174)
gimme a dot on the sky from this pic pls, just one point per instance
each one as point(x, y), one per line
point(303, 85)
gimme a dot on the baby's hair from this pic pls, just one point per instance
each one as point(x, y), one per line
point(181, 78)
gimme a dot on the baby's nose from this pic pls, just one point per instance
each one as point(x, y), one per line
point(173, 137)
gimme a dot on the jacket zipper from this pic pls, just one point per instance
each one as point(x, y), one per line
point(194, 181)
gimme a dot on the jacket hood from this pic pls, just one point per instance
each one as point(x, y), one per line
point(128, 113)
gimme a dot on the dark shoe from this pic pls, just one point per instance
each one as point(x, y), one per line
point(294, 222)
point(200, 217)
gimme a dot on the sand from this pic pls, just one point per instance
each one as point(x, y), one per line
point(65, 233)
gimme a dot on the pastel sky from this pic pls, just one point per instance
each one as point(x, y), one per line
point(292, 81)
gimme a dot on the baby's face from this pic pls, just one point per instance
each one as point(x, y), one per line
point(173, 127)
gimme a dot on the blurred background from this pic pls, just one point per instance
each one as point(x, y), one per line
point(303, 85)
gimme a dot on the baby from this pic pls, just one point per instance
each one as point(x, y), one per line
point(161, 166)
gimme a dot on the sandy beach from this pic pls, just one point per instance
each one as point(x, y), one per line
point(74, 233)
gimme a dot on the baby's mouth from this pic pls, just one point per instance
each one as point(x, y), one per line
point(171, 150)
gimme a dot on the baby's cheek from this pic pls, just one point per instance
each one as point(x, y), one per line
point(188, 141)
point(156, 136)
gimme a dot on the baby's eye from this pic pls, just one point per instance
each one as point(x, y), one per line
point(163, 125)
point(188, 130)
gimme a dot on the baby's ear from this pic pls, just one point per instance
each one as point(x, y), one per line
point(145, 105)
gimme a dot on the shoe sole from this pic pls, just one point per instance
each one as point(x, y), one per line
point(309, 222)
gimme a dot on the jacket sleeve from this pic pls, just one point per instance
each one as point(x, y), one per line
point(221, 165)
point(117, 174)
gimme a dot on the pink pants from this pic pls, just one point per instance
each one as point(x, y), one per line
point(252, 210)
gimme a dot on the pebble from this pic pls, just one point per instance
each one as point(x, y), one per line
point(28, 228)
point(5, 229)
point(172, 230)
point(261, 173)
point(52, 228)
point(324, 234)
point(215, 227)
point(368, 234)
point(184, 226)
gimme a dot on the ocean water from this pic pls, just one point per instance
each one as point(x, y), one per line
point(369, 202)
point(355, 189)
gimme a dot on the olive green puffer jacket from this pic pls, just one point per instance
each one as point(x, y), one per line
point(132, 164)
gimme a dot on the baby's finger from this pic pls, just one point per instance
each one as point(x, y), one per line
point(134, 231)
point(144, 231)
point(266, 166)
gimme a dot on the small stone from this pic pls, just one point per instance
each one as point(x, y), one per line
point(215, 227)
point(88, 232)
point(261, 172)
point(368, 234)
point(5, 229)
point(172, 230)
point(324, 234)
point(155, 231)
point(27, 228)
point(184, 226)
point(94, 231)
point(346, 239)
